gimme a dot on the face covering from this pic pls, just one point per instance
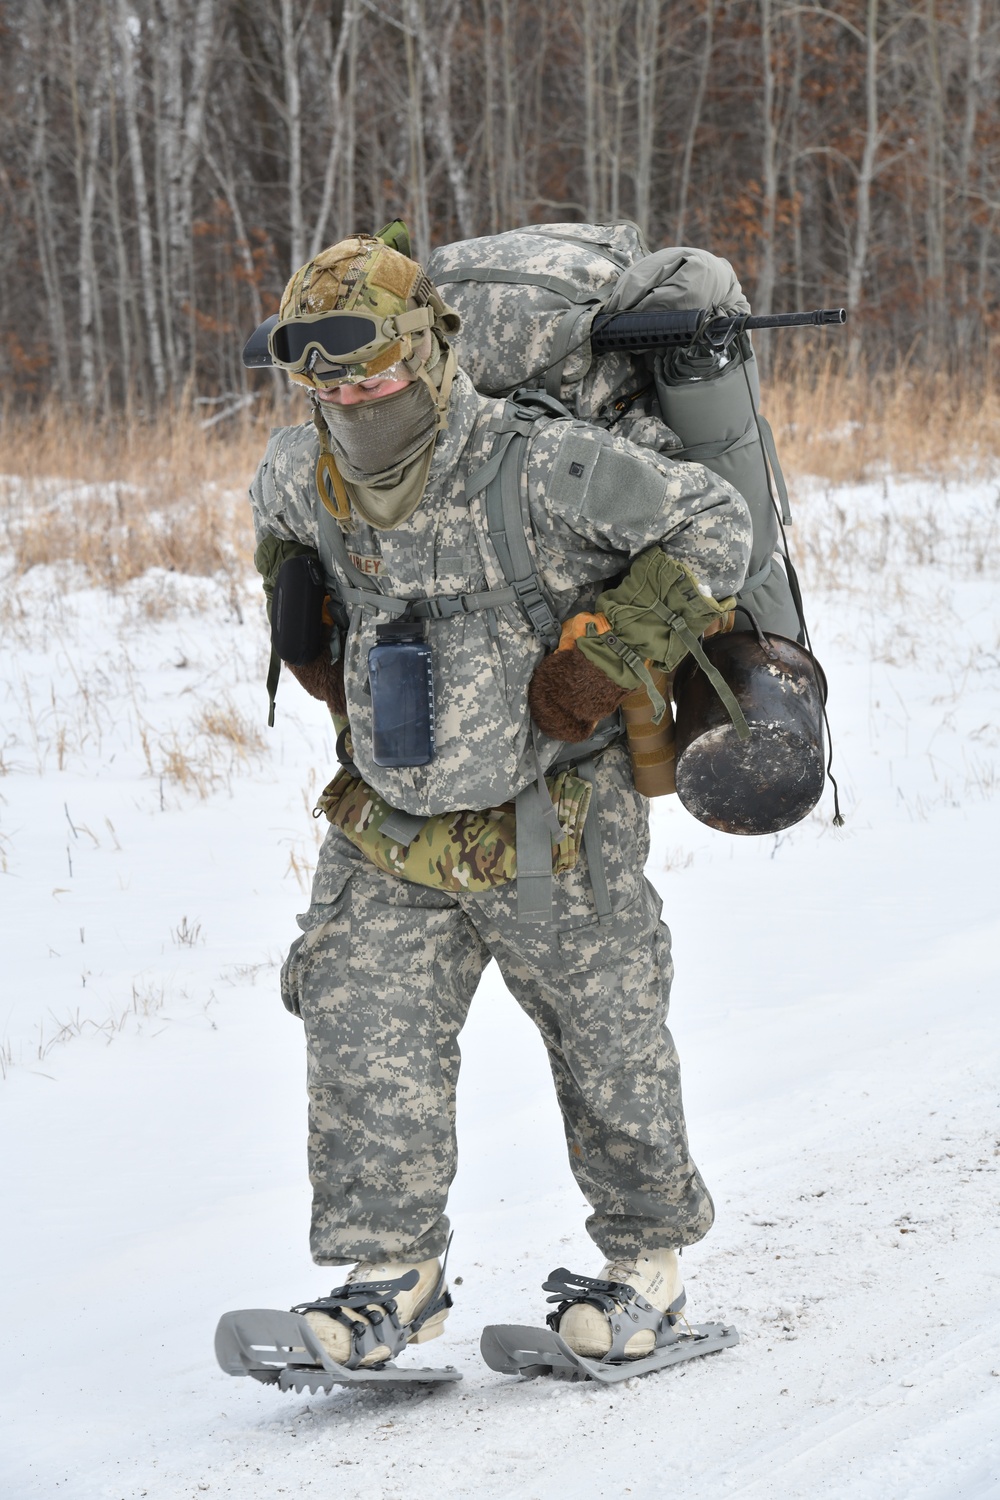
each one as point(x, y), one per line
point(376, 438)
point(383, 449)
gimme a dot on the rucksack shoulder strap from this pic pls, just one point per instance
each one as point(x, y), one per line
point(507, 520)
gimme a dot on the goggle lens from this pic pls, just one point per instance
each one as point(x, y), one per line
point(334, 337)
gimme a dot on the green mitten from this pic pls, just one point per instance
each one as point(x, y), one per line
point(656, 610)
point(656, 615)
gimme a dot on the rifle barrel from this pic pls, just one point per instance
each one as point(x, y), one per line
point(638, 331)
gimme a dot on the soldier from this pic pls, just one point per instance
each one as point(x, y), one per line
point(486, 807)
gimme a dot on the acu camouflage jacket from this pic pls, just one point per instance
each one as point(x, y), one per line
point(595, 501)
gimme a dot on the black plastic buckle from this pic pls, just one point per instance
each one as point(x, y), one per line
point(445, 606)
point(400, 630)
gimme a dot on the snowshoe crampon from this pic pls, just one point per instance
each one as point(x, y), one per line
point(529, 1352)
point(280, 1348)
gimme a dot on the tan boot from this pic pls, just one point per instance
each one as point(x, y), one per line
point(655, 1275)
point(335, 1332)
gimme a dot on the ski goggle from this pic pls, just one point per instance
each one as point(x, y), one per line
point(340, 339)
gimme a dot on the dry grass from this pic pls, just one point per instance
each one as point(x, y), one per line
point(117, 499)
point(220, 742)
point(848, 428)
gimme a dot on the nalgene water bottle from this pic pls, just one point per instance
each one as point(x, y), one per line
point(401, 676)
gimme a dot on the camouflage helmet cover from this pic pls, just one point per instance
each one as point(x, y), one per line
point(364, 273)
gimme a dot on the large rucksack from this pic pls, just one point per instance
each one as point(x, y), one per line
point(528, 298)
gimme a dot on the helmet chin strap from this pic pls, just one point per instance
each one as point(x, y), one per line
point(440, 393)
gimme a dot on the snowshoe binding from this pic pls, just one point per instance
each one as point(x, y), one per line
point(290, 1349)
point(529, 1352)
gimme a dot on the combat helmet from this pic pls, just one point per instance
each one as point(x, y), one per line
point(357, 309)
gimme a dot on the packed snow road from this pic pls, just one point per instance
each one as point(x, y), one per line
point(835, 1008)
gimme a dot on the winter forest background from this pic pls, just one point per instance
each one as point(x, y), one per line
point(166, 163)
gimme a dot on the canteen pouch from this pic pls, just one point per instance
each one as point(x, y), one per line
point(401, 678)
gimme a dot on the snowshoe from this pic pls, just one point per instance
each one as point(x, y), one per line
point(284, 1348)
point(529, 1352)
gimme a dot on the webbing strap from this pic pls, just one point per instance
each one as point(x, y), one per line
point(534, 856)
point(402, 827)
point(604, 251)
point(561, 345)
point(712, 672)
point(761, 576)
point(593, 847)
point(700, 453)
point(480, 478)
point(588, 749)
point(516, 278)
point(507, 524)
point(273, 673)
point(359, 592)
point(445, 606)
point(330, 532)
point(772, 458)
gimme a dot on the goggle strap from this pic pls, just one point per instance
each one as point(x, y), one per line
point(414, 320)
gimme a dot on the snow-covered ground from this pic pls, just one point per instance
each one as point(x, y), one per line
point(836, 1007)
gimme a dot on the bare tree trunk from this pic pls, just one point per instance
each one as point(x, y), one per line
point(973, 86)
point(858, 255)
point(591, 106)
point(616, 102)
point(437, 77)
point(202, 47)
point(346, 224)
point(694, 121)
point(129, 333)
point(86, 144)
point(419, 215)
point(935, 226)
point(769, 166)
point(167, 117)
point(647, 46)
point(795, 112)
point(293, 126)
point(342, 118)
point(144, 225)
point(489, 94)
point(512, 167)
point(46, 240)
point(224, 178)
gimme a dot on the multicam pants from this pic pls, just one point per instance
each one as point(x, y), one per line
point(383, 977)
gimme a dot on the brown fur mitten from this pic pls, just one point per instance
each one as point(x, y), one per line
point(323, 679)
point(569, 696)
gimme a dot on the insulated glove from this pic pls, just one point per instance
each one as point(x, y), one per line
point(569, 696)
point(656, 614)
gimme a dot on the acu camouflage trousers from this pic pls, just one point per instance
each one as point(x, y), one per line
point(383, 976)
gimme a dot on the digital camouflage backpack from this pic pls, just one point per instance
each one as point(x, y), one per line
point(528, 299)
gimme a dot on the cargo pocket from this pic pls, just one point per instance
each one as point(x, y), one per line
point(317, 925)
